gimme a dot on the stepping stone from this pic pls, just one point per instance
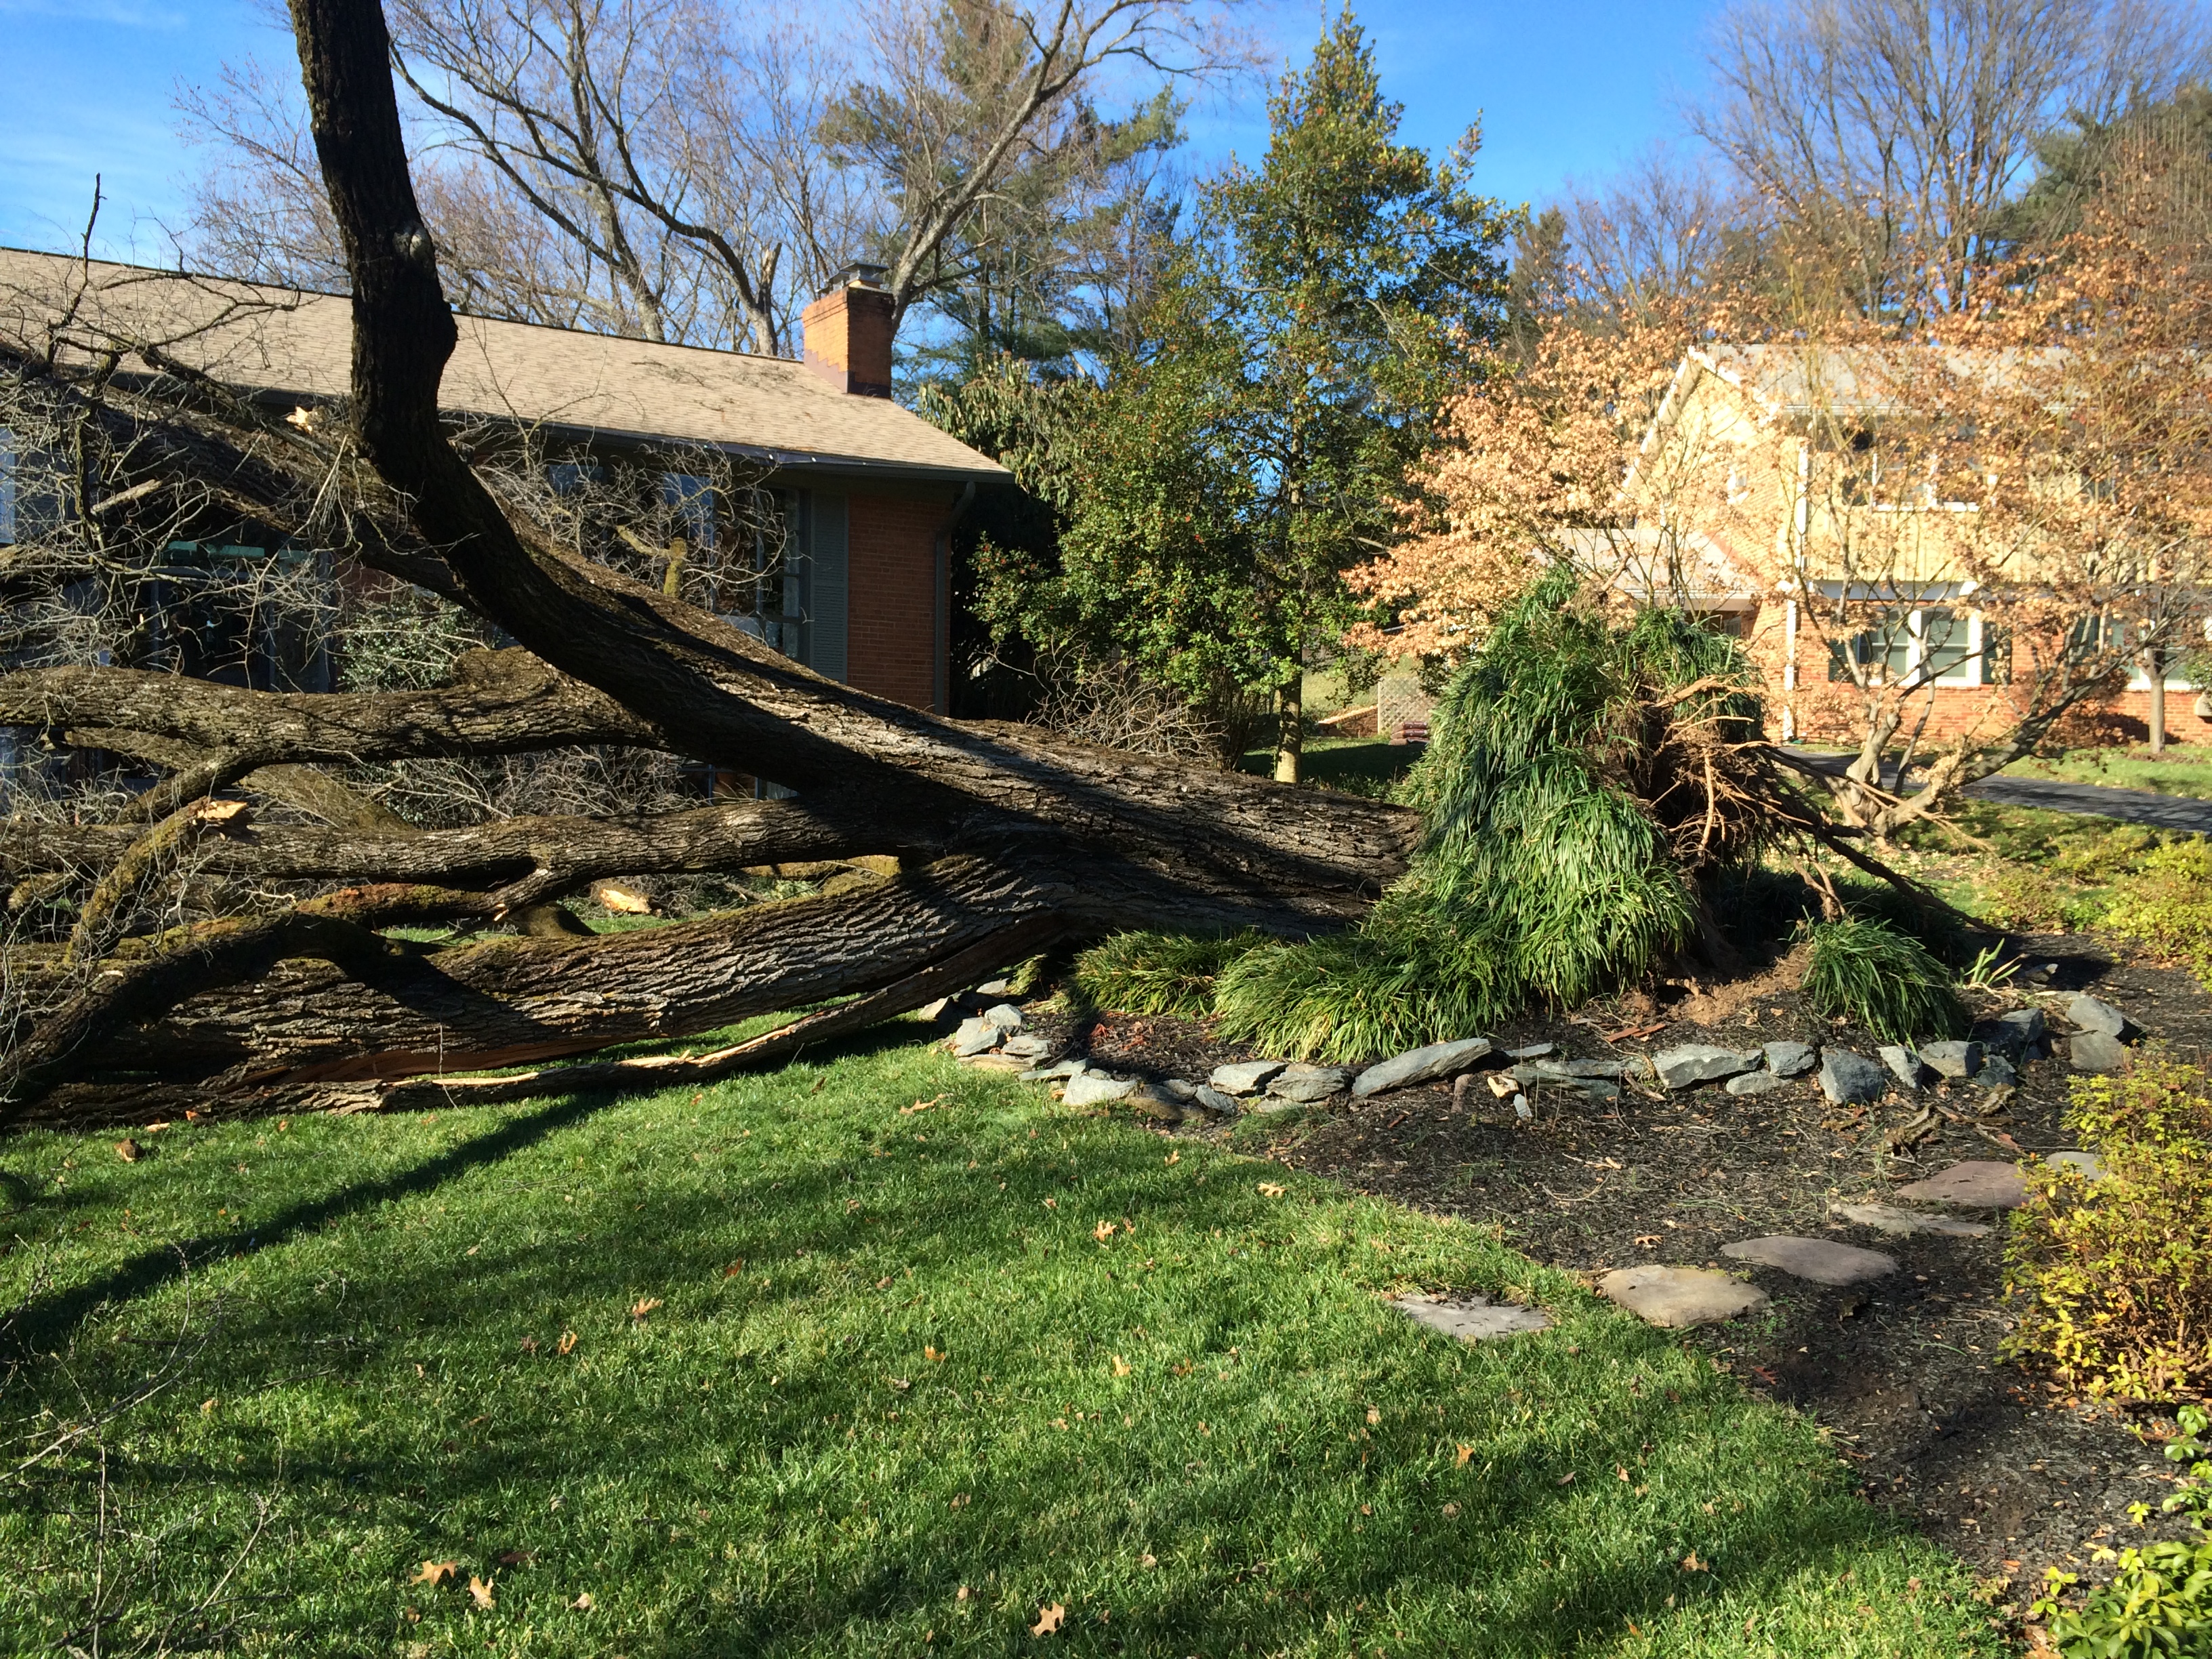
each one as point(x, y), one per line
point(1790, 1059)
point(2014, 1034)
point(1755, 1083)
point(974, 1036)
point(1096, 1089)
point(1888, 1219)
point(1701, 1062)
point(1005, 1016)
point(1470, 1318)
point(1214, 1101)
point(1850, 1079)
point(1997, 1073)
point(1953, 1059)
point(2096, 1051)
point(1675, 1297)
point(1306, 1083)
point(2091, 1167)
point(1420, 1066)
point(1820, 1260)
point(2092, 1015)
point(1976, 1184)
point(1247, 1077)
point(1903, 1065)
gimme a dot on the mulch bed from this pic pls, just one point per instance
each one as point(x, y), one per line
point(1986, 1458)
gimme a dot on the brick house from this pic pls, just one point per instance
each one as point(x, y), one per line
point(1777, 489)
point(864, 494)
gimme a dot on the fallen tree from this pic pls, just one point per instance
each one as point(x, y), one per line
point(1008, 837)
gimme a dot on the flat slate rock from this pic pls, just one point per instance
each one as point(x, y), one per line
point(1820, 1260)
point(2096, 1051)
point(1952, 1059)
point(1976, 1185)
point(1693, 1063)
point(1092, 1089)
point(1676, 1297)
point(2090, 1166)
point(1997, 1073)
point(2013, 1035)
point(1755, 1083)
point(1532, 1051)
point(1061, 1068)
point(1306, 1083)
point(974, 1036)
point(1214, 1101)
point(1246, 1077)
point(1470, 1318)
point(2092, 1015)
point(1005, 1016)
point(1027, 1046)
point(1420, 1066)
point(1790, 1058)
point(1903, 1065)
point(1149, 1100)
point(1888, 1219)
point(1850, 1079)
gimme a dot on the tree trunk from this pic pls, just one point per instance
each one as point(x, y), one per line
point(1291, 729)
point(2155, 666)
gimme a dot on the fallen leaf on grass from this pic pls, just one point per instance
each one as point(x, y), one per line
point(933, 1354)
point(1465, 1453)
point(1451, 1512)
point(1049, 1620)
point(1173, 1157)
point(530, 1344)
point(643, 1305)
point(1103, 1231)
point(1148, 1559)
point(1121, 1366)
point(127, 1150)
point(480, 1593)
point(1052, 1204)
point(1566, 1479)
point(567, 1343)
point(1691, 1564)
point(1272, 1190)
point(583, 1602)
point(734, 1268)
point(435, 1572)
point(921, 1106)
point(899, 1384)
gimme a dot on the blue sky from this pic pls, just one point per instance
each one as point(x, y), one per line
point(1565, 88)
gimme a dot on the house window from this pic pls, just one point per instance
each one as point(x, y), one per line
point(692, 499)
point(1929, 644)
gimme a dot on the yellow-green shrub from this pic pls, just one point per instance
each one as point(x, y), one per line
point(2022, 899)
point(2167, 903)
point(2117, 1274)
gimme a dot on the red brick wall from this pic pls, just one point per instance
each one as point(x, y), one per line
point(1832, 713)
point(891, 641)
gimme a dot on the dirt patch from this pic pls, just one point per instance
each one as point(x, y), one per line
point(1904, 1371)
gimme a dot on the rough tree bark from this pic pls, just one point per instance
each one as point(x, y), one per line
point(1010, 836)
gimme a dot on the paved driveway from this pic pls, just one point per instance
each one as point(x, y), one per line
point(2050, 795)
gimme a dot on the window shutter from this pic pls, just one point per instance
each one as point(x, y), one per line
point(831, 563)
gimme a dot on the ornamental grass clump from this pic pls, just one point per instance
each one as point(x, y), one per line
point(1144, 973)
point(1868, 972)
point(1585, 774)
point(2114, 1274)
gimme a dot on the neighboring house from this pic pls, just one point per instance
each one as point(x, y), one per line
point(1762, 457)
point(865, 492)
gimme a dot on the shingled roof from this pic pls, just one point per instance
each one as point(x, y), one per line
point(282, 343)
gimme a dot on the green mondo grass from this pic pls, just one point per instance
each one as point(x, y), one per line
point(850, 1378)
point(1888, 981)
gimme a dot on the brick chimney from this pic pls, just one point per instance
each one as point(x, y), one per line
point(847, 333)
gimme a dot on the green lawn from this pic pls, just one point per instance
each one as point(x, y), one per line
point(1358, 766)
point(851, 1378)
point(2183, 769)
